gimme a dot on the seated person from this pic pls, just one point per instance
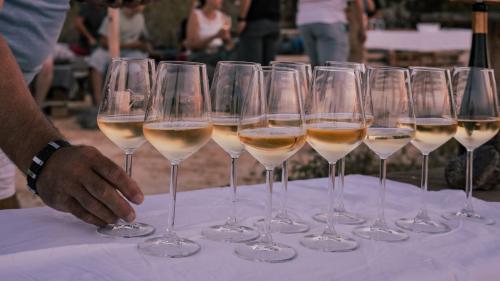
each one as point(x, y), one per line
point(209, 34)
point(133, 44)
point(87, 23)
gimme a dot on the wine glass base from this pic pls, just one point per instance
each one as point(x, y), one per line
point(284, 224)
point(230, 233)
point(341, 218)
point(126, 230)
point(265, 252)
point(169, 245)
point(380, 233)
point(468, 216)
point(329, 242)
point(423, 226)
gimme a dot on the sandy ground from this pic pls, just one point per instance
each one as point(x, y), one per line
point(207, 168)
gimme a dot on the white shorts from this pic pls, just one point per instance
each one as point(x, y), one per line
point(99, 59)
point(7, 177)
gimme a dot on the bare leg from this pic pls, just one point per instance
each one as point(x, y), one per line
point(44, 81)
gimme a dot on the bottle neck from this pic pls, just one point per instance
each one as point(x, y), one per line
point(480, 22)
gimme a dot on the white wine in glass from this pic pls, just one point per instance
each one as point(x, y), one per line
point(393, 127)
point(271, 145)
point(478, 119)
point(121, 117)
point(435, 124)
point(177, 124)
point(232, 81)
point(335, 126)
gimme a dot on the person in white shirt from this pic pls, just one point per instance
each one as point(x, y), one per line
point(324, 28)
point(208, 35)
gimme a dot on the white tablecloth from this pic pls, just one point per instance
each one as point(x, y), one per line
point(407, 40)
point(42, 244)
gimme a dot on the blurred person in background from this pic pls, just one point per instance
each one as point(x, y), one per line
point(43, 81)
point(325, 30)
point(134, 43)
point(87, 23)
point(358, 13)
point(209, 34)
point(259, 30)
point(75, 179)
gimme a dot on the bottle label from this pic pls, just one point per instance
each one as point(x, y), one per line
point(480, 22)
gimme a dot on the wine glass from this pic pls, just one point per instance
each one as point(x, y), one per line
point(478, 122)
point(177, 124)
point(342, 216)
point(335, 126)
point(436, 124)
point(393, 127)
point(120, 117)
point(271, 144)
point(232, 80)
point(283, 221)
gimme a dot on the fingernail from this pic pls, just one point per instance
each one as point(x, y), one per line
point(130, 217)
point(138, 198)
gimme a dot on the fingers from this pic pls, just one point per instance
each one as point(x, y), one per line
point(94, 206)
point(107, 197)
point(78, 211)
point(118, 178)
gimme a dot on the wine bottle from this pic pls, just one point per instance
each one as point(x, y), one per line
point(479, 49)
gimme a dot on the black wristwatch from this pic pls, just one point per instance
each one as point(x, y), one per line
point(39, 161)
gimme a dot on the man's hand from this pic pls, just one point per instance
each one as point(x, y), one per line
point(81, 181)
point(241, 26)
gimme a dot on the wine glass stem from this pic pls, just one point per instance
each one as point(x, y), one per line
point(266, 236)
point(340, 203)
point(330, 220)
point(231, 219)
point(284, 182)
point(173, 197)
point(468, 184)
point(128, 163)
point(424, 187)
point(381, 203)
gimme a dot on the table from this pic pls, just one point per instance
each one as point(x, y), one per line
point(42, 244)
point(419, 41)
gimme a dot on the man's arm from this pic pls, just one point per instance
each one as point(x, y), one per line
point(80, 26)
point(244, 8)
point(77, 179)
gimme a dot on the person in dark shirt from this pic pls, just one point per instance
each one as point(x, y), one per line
point(258, 26)
point(87, 23)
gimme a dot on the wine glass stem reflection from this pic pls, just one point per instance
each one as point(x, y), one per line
point(284, 182)
point(128, 163)
point(381, 203)
point(330, 220)
point(340, 203)
point(424, 187)
point(468, 184)
point(231, 219)
point(266, 236)
point(173, 197)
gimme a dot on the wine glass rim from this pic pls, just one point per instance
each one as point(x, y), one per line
point(337, 63)
point(428, 68)
point(473, 67)
point(131, 59)
point(387, 68)
point(182, 63)
point(334, 69)
point(297, 63)
point(278, 69)
point(233, 62)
